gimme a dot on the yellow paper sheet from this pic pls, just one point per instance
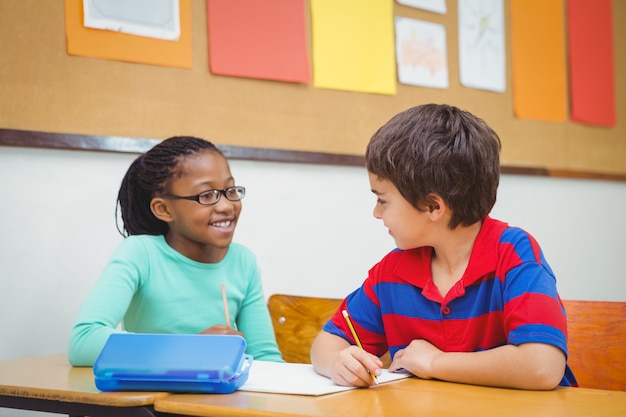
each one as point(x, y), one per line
point(538, 58)
point(353, 45)
point(96, 43)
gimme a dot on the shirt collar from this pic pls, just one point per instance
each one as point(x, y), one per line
point(483, 259)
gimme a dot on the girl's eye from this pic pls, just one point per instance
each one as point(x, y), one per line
point(209, 197)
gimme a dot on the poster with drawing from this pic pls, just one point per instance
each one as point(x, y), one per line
point(421, 53)
point(481, 44)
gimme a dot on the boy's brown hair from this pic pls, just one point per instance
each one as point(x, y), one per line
point(439, 149)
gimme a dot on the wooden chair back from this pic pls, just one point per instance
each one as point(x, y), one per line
point(297, 320)
point(597, 343)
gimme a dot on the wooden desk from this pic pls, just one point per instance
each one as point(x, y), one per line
point(405, 398)
point(51, 384)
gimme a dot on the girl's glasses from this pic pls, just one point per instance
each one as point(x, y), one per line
point(210, 197)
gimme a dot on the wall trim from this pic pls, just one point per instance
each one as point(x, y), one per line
point(123, 144)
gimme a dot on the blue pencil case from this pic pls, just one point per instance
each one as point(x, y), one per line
point(194, 363)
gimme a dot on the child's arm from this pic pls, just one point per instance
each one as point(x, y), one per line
point(222, 329)
point(534, 366)
point(343, 363)
point(253, 317)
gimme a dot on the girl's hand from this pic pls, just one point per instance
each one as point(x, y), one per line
point(221, 329)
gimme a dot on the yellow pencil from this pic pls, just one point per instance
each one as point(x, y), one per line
point(225, 301)
point(357, 340)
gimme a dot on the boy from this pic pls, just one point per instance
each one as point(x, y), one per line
point(464, 298)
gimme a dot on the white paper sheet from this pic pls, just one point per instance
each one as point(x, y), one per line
point(437, 6)
point(298, 378)
point(151, 18)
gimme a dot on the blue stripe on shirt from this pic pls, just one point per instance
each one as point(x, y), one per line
point(538, 333)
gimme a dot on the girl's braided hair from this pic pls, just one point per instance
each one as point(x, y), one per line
point(147, 177)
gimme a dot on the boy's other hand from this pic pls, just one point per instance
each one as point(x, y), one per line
point(417, 358)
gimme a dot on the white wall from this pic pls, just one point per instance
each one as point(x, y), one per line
point(310, 225)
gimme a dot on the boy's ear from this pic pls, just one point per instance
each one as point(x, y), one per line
point(161, 209)
point(437, 207)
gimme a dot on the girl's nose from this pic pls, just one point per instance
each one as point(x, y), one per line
point(225, 205)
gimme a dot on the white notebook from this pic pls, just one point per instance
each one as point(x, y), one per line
point(298, 378)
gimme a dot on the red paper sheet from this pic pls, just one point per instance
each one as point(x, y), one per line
point(592, 72)
point(263, 39)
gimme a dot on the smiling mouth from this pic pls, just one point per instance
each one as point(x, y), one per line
point(221, 224)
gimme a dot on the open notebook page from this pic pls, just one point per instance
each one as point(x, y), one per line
point(298, 378)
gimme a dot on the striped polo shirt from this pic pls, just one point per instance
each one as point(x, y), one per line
point(507, 295)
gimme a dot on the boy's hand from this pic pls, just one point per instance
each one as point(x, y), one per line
point(221, 329)
point(352, 367)
point(417, 358)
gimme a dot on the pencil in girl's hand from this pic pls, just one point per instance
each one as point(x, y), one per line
point(356, 339)
point(225, 301)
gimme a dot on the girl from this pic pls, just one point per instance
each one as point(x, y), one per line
point(179, 206)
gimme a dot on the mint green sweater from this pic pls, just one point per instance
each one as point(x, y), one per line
point(149, 287)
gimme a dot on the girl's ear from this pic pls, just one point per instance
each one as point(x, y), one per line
point(161, 209)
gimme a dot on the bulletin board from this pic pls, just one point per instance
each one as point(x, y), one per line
point(46, 90)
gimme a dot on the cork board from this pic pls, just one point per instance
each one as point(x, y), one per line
point(45, 89)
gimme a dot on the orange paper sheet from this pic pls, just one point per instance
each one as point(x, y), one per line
point(592, 73)
point(117, 46)
point(263, 39)
point(538, 58)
